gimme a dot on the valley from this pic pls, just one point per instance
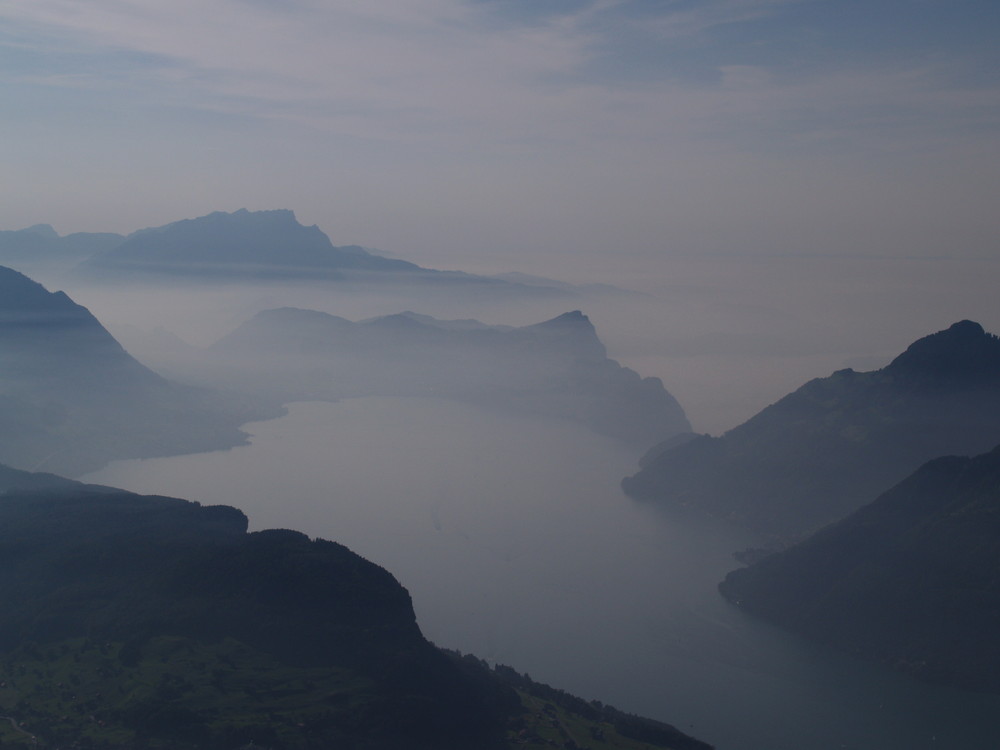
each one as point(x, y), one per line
point(544, 565)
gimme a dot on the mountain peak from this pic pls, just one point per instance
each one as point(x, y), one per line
point(966, 328)
point(279, 217)
point(817, 453)
point(574, 318)
point(962, 352)
point(574, 324)
point(42, 230)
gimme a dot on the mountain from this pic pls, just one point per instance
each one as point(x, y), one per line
point(71, 398)
point(909, 580)
point(319, 647)
point(273, 246)
point(556, 368)
point(41, 246)
point(270, 246)
point(259, 246)
point(245, 243)
point(820, 452)
point(155, 622)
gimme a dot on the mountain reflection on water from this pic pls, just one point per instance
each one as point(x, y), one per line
point(516, 544)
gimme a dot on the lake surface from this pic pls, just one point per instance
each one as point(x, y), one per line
point(517, 545)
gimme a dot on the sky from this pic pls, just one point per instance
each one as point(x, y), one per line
point(515, 135)
point(801, 185)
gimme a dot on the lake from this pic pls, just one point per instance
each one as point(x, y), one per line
point(517, 545)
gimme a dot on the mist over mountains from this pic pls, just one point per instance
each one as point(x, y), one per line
point(41, 245)
point(66, 378)
point(72, 398)
point(244, 243)
point(557, 368)
point(105, 587)
point(267, 246)
point(836, 442)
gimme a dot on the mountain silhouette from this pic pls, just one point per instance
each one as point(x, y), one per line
point(820, 452)
point(250, 246)
point(134, 621)
point(129, 576)
point(557, 368)
point(909, 580)
point(242, 243)
point(40, 246)
point(72, 398)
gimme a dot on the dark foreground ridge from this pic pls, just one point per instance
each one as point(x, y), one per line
point(909, 580)
point(154, 622)
point(820, 452)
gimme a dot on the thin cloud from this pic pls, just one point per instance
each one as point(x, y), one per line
point(441, 68)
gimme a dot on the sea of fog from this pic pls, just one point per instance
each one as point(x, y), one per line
point(517, 545)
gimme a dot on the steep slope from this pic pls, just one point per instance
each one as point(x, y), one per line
point(909, 580)
point(154, 622)
point(141, 576)
point(71, 398)
point(556, 368)
point(820, 452)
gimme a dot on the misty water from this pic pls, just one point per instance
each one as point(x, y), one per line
point(517, 545)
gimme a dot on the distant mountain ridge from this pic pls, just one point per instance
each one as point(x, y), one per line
point(242, 243)
point(555, 368)
point(71, 398)
point(41, 245)
point(909, 580)
point(259, 246)
point(819, 452)
point(271, 245)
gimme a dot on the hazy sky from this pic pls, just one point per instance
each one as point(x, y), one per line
point(493, 134)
